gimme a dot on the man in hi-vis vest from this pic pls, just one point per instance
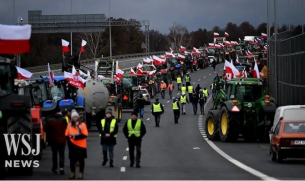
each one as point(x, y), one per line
point(134, 130)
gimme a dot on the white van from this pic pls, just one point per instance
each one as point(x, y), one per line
point(288, 113)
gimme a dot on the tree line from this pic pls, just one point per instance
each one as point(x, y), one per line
point(46, 48)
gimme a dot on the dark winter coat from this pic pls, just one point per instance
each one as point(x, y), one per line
point(108, 140)
point(55, 129)
point(133, 138)
point(141, 102)
point(194, 98)
point(197, 88)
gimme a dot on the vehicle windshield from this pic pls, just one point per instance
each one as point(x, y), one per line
point(34, 90)
point(57, 92)
point(6, 86)
point(294, 127)
point(147, 68)
point(248, 92)
point(211, 51)
point(128, 82)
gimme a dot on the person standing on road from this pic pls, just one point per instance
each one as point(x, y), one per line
point(183, 101)
point(214, 64)
point(163, 88)
point(76, 134)
point(141, 104)
point(176, 109)
point(197, 89)
point(157, 109)
point(134, 130)
point(188, 79)
point(108, 133)
point(190, 90)
point(194, 101)
point(183, 89)
point(55, 129)
point(213, 87)
point(170, 89)
point(179, 82)
point(203, 95)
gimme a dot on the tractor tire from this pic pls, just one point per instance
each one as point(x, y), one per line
point(272, 154)
point(228, 128)
point(212, 126)
point(136, 95)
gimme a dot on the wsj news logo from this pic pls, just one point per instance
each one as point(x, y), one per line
point(19, 146)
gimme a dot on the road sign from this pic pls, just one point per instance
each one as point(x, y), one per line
point(143, 46)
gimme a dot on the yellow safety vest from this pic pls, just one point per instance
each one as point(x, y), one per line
point(190, 89)
point(175, 105)
point(212, 86)
point(179, 80)
point(187, 79)
point(183, 99)
point(205, 92)
point(112, 125)
point(67, 119)
point(183, 89)
point(136, 130)
point(157, 108)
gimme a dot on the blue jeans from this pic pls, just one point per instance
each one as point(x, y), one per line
point(170, 94)
point(141, 111)
point(194, 107)
point(110, 148)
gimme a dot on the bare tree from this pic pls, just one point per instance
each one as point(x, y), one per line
point(94, 44)
point(179, 35)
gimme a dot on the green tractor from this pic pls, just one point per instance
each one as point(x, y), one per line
point(241, 107)
point(130, 92)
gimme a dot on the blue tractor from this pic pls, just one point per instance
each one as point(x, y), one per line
point(65, 96)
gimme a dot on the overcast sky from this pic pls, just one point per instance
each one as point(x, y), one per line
point(162, 13)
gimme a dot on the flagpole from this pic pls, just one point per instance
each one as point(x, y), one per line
point(275, 55)
point(110, 45)
point(63, 62)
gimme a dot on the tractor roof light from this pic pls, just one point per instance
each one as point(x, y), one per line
point(267, 97)
point(267, 102)
point(235, 109)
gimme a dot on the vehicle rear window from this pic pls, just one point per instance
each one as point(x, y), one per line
point(294, 127)
point(143, 92)
point(294, 114)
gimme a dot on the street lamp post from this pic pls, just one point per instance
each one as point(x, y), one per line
point(18, 56)
point(302, 13)
point(110, 45)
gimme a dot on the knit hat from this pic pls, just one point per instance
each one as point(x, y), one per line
point(134, 113)
point(74, 114)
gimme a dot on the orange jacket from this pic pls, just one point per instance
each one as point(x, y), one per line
point(170, 87)
point(80, 134)
point(163, 85)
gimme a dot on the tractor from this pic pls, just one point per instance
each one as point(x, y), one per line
point(130, 92)
point(174, 68)
point(241, 107)
point(15, 118)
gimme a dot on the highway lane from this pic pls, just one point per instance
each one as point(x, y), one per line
point(123, 63)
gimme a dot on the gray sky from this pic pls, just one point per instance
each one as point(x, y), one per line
point(163, 13)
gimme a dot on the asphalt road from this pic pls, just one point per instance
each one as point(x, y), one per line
point(123, 63)
point(179, 152)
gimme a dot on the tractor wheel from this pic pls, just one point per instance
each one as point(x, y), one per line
point(279, 157)
point(272, 154)
point(136, 95)
point(212, 126)
point(228, 130)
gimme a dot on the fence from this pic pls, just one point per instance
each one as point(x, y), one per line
point(286, 63)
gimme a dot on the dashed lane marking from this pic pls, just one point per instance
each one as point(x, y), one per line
point(209, 74)
point(148, 119)
point(204, 77)
point(124, 157)
point(178, 93)
point(123, 169)
point(228, 157)
point(194, 82)
point(127, 149)
point(167, 101)
point(199, 80)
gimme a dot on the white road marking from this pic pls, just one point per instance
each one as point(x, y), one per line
point(125, 158)
point(209, 74)
point(178, 93)
point(199, 80)
point(204, 77)
point(167, 101)
point(148, 119)
point(196, 148)
point(127, 149)
point(123, 169)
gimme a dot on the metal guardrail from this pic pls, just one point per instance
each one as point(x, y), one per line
point(91, 61)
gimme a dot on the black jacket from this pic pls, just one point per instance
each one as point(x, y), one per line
point(141, 102)
point(194, 99)
point(133, 138)
point(55, 129)
point(108, 140)
point(152, 107)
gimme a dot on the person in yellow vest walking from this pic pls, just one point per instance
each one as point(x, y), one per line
point(176, 109)
point(108, 133)
point(179, 82)
point(203, 96)
point(183, 101)
point(156, 110)
point(183, 89)
point(170, 89)
point(190, 90)
point(188, 79)
point(134, 130)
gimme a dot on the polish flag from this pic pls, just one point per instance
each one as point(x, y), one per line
point(181, 57)
point(139, 66)
point(256, 73)
point(15, 39)
point(251, 41)
point(169, 55)
point(212, 45)
point(74, 79)
point(217, 46)
point(265, 48)
point(264, 35)
point(239, 39)
point(231, 71)
point(206, 50)
point(237, 61)
point(132, 72)
point(118, 80)
point(147, 60)
point(119, 73)
point(139, 71)
point(227, 43)
point(171, 49)
point(162, 56)
point(182, 49)
point(151, 73)
point(51, 76)
point(157, 60)
point(216, 34)
point(248, 53)
point(82, 46)
point(83, 74)
point(65, 46)
point(196, 51)
point(221, 45)
point(245, 75)
point(23, 74)
point(226, 34)
point(233, 43)
point(186, 52)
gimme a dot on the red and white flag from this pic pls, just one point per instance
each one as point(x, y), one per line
point(196, 51)
point(265, 48)
point(181, 57)
point(132, 72)
point(139, 66)
point(157, 60)
point(118, 80)
point(162, 56)
point(256, 73)
point(245, 75)
point(119, 73)
point(231, 71)
point(216, 34)
point(206, 50)
point(15, 39)
point(65, 46)
point(171, 49)
point(217, 46)
point(221, 45)
point(139, 71)
point(169, 55)
point(74, 79)
point(226, 34)
point(182, 49)
point(82, 46)
point(211, 45)
point(248, 53)
point(233, 43)
point(151, 73)
point(23, 74)
point(239, 39)
point(227, 43)
point(51, 76)
point(147, 61)
point(264, 35)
